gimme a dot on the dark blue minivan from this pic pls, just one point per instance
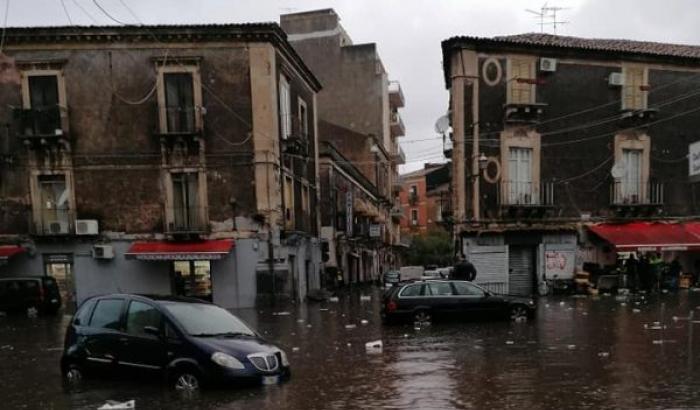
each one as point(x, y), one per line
point(189, 342)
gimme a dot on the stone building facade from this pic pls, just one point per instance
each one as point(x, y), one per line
point(160, 159)
point(561, 142)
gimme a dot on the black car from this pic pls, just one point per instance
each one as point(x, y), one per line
point(22, 293)
point(425, 301)
point(188, 342)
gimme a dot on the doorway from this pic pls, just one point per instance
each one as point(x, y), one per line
point(60, 267)
point(193, 279)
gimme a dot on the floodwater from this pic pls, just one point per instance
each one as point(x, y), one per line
point(580, 353)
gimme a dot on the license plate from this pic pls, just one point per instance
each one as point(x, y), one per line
point(266, 380)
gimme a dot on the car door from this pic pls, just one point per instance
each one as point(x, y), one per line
point(142, 346)
point(471, 299)
point(103, 333)
point(442, 300)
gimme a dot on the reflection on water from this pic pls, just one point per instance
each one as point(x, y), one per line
point(593, 353)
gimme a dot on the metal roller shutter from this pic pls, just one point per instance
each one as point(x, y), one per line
point(491, 263)
point(521, 266)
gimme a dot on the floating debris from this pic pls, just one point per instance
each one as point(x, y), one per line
point(510, 342)
point(350, 326)
point(115, 405)
point(334, 299)
point(323, 310)
point(658, 342)
point(295, 349)
point(571, 347)
point(7, 347)
point(300, 320)
point(604, 354)
point(364, 321)
point(374, 347)
point(365, 298)
point(281, 313)
point(636, 310)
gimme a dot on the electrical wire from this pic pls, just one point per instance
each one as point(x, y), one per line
point(65, 10)
point(90, 16)
point(109, 15)
point(4, 25)
point(590, 171)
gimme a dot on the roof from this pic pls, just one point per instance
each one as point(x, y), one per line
point(423, 171)
point(611, 48)
point(162, 33)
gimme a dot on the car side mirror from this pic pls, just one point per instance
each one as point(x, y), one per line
point(76, 322)
point(151, 330)
point(487, 294)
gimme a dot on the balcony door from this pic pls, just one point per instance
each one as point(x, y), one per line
point(185, 201)
point(54, 204)
point(179, 102)
point(43, 100)
point(631, 184)
point(520, 186)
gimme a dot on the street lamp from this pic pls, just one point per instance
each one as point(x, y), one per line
point(483, 161)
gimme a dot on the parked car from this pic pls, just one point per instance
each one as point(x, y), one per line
point(22, 293)
point(190, 342)
point(425, 301)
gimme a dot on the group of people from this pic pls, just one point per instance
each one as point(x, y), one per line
point(650, 272)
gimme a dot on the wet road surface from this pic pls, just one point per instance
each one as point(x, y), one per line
point(579, 353)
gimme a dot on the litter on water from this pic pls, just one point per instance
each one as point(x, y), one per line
point(365, 298)
point(281, 313)
point(374, 347)
point(364, 321)
point(334, 299)
point(636, 310)
point(300, 320)
point(603, 354)
point(571, 347)
point(510, 342)
point(295, 349)
point(351, 326)
point(115, 405)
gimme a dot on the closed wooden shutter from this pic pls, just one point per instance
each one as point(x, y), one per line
point(522, 91)
point(633, 94)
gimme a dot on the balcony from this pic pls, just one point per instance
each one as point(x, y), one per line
point(397, 187)
point(297, 143)
point(186, 220)
point(46, 125)
point(525, 198)
point(398, 156)
point(396, 98)
point(636, 193)
point(637, 117)
point(397, 213)
point(523, 113)
point(55, 222)
point(398, 129)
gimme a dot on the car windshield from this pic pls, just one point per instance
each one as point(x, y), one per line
point(200, 319)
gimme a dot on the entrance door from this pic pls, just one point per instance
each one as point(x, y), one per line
point(60, 267)
point(193, 278)
point(521, 270)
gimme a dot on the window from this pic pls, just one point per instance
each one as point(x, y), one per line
point(303, 119)
point(631, 187)
point(413, 194)
point(519, 186)
point(44, 115)
point(440, 288)
point(83, 316)
point(107, 314)
point(289, 202)
point(179, 102)
point(438, 212)
point(414, 216)
point(193, 278)
point(411, 291)
point(54, 206)
point(521, 81)
point(305, 204)
point(185, 201)
point(141, 315)
point(205, 319)
point(467, 289)
point(285, 108)
point(634, 93)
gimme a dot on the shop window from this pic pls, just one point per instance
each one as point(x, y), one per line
point(60, 268)
point(193, 278)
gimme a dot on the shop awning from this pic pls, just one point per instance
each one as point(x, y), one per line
point(8, 251)
point(650, 236)
point(171, 251)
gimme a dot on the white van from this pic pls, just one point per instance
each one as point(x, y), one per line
point(412, 272)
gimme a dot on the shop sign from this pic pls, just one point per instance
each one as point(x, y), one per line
point(375, 230)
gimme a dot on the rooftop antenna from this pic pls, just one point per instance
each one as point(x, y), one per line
point(548, 16)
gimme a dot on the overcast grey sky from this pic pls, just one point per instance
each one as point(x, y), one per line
point(408, 33)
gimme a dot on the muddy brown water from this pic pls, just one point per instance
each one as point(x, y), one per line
point(579, 353)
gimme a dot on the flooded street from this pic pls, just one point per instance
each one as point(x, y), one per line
point(584, 352)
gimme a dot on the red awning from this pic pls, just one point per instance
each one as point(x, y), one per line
point(8, 251)
point(202, 250)
point(650, 236)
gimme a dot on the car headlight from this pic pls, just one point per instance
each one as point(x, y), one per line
point(285, 360)
point(225, 360)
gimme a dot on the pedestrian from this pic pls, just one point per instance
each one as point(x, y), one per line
point(655, 262)
point(631, 266)
point(674, 272)
point(644, 270)
point(464, 270)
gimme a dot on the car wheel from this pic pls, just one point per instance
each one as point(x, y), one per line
point(73, 375)
point(518, 313)
point(186, 381)
point(422, 316)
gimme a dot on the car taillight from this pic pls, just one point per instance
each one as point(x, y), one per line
point(390, 306)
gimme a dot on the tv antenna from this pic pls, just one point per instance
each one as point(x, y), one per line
point(548, 16)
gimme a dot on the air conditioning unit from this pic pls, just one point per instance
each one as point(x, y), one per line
point(548, 64)
point(58, 227)
point(86, 227)
point(616, 79)
point(103, 252)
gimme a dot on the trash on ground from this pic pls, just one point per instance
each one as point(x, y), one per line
point(374, 347)
point(281, 313)
point(405, 335)
point(334, 299)
point(365, 298)
point(115, 405)
point(585, 313)
point(350, 326)
point(603, 354)
point(364, 321)
point(510, 342)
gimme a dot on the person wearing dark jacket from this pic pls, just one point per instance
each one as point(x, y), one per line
point(464, 270)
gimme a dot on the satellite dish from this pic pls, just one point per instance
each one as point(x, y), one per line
point(442, 125)
point(618, 170)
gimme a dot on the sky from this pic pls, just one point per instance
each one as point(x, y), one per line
point(407, 32)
